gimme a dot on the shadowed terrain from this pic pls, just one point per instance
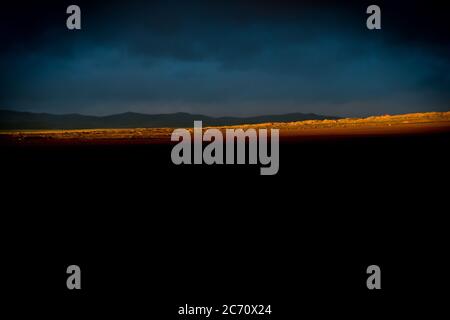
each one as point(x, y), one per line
point(416, 123)
point(344, 191)
point(13, 120)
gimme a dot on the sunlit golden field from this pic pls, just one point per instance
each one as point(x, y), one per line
point(415, 123)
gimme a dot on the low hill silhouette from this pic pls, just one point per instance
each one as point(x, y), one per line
point(15, 120)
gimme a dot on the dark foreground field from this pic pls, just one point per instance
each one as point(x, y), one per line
point(150, 236)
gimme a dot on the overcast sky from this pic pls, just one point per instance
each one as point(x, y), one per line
point(225, 57)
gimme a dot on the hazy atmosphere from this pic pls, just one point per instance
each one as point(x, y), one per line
point(219, 58)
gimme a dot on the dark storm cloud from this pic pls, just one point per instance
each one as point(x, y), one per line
point(225, 57)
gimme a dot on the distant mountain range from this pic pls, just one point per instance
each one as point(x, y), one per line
point(14, 120)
